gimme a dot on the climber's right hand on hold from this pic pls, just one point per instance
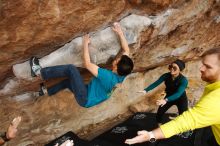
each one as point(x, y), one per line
point(117, 28)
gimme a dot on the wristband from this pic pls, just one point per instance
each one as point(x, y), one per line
point(152, 137)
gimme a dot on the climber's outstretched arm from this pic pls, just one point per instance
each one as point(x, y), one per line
point(93, 68)
point(124, 44)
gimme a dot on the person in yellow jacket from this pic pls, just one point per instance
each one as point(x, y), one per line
point(205, 113)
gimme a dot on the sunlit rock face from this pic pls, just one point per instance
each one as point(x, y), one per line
point(30, 27)
point(104, 44)
point(158, 32)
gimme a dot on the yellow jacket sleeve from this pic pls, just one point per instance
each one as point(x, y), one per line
point(205, 113)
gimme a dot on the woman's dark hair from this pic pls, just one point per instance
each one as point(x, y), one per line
point(180, 64)
point(125, 65)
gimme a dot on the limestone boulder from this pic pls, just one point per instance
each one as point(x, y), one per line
point(158, 32)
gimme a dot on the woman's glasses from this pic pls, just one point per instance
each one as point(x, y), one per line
point(172, 67)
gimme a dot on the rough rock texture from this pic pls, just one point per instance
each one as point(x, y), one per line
point(158, 31)
point(38, 27)
point(30, 27)
point(104, 44)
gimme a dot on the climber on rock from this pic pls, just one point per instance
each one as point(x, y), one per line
point(11, 132)
point(100, 87)
point(176, 84)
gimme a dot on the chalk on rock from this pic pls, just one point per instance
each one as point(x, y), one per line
point(104, 44)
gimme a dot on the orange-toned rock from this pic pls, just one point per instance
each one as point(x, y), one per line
point(31, 27)
point(179, 29)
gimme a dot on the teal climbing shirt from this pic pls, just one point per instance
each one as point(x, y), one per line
point(100, 87)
